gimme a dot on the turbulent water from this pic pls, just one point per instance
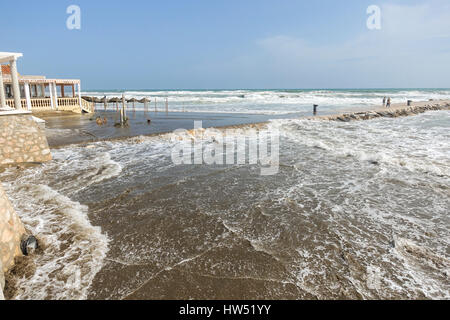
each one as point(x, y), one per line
point(358, 210)
point(273, 101)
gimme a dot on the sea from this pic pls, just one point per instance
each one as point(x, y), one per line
point(357, 210)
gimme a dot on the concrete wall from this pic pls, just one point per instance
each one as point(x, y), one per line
point(11, 232)
point(22, 141)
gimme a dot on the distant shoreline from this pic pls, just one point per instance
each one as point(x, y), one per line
point(396, 110)
point(71, 129)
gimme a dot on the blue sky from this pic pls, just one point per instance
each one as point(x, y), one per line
point(232, 44)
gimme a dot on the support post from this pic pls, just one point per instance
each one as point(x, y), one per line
point(52, 100)
point(123, 112)
point(145, 105)
point(2, 90)
point(27, 95)
point(79, 93)
point(124, 108)
point(43, 90)
point(55, 95)
point(15, 84)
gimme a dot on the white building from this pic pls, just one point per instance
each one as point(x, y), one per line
point(37, 93)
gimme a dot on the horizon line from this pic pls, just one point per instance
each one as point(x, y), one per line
point(270, 89)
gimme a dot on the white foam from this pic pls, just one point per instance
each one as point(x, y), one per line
point(272, 101)
point(74, 250)
point(335, 190)
point(410, 143)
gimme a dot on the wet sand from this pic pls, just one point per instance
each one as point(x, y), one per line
point(65, 129)
point(357, 211)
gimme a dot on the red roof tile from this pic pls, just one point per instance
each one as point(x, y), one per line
point(6, 69)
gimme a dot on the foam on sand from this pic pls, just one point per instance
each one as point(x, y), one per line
point(74, 250)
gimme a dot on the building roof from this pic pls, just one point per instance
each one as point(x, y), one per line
point(6, 69)
point(8, 56)
point(41, 80)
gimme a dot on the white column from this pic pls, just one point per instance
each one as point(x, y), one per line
point(2, 90)
point(55, 95)
point(79, 93)
point(43, 90)
point(52, 101)
point(27, 95)
point(15, 84)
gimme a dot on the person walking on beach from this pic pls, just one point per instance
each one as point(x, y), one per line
point(384, 101)
point(388, 104)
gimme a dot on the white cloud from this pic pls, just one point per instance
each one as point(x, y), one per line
point(416, 22)
point(411, 49)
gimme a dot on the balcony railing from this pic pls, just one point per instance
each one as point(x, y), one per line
point(64, 104)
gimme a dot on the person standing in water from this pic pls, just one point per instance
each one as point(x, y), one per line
point(384, 101)
point(388, 104)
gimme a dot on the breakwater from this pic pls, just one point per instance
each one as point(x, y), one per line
point(396, 111)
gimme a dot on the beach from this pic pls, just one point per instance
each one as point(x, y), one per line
point(358, 210)
point(225, 159)
point(222, 108)
point(69, 129)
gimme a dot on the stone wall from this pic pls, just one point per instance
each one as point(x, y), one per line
point(11, 232)
point(22, 141)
